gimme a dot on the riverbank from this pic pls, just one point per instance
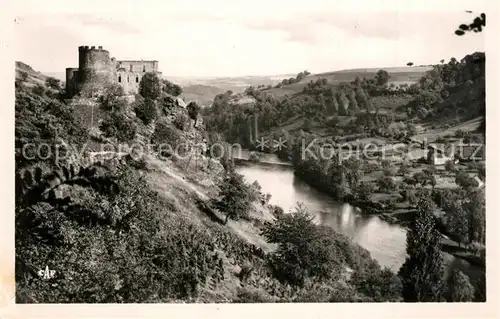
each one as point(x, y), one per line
point(400, 214)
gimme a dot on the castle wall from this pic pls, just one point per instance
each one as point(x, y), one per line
point(137, 66)
point(129, 81)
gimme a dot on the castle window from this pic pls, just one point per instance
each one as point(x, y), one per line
point(131, 68)
point(119, 79)
point(143, 68)
point(137, 79)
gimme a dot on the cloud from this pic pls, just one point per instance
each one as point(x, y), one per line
point(106, 22)
point(315, 27)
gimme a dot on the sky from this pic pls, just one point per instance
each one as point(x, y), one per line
point(237, 38)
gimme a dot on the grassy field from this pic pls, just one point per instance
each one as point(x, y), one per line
point(432, 134)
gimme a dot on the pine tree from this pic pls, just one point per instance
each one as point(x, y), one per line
point(422, 272)
point(335, 104)
point(343, 103)
point(361, 98)
point(353, 104)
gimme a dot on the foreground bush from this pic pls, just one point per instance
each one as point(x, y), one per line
point(127, 247)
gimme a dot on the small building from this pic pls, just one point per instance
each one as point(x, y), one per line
point(436, 156)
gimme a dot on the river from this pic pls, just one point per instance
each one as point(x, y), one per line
point(385, 242)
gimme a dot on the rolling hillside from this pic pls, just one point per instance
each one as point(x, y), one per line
point(399, 75)
point(202, 94)
point(29, 76)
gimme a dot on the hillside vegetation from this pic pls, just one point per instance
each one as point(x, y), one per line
point(371, 106)
point(160, 227)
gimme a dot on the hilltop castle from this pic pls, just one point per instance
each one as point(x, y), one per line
point(96, 69)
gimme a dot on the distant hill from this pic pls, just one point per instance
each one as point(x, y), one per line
point(204, 89)
point(29, 76)
point(399, 75)
point(202, 94)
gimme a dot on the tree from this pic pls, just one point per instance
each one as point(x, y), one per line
point(459, 287)
point(53, 83)
point(463, 179)
point(449, 166)
point(171, 88)
point(476, 212)
point(343, 102)
point(353, 104)
point(382, 77)
point(422, 272)
point(363, 191)
point(457, 221)
point(111, 99)
point(146, 110)
point(411, 128)
point(386, 184)
point(304, 249)
point(150, 86)
point(193, 109)
point(235, 197)
point(476, 26)
point(362, 98)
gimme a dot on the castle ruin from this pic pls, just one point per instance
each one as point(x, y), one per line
point(96, 69)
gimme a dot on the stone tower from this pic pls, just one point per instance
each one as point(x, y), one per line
point(95, 68)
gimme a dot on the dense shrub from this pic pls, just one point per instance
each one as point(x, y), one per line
point(171, 88)
point(53, 83)
point(41, 120)
point(119, 253)
point(386, 184)
point(38, 89)
point(111, 98)
point(463, 179)
point(165, 138)
point(459, 287)
point(118, 125)
point(146, 110)
point(182, 122)
point(378, 285)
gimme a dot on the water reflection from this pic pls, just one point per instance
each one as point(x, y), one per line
point(386, 243)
